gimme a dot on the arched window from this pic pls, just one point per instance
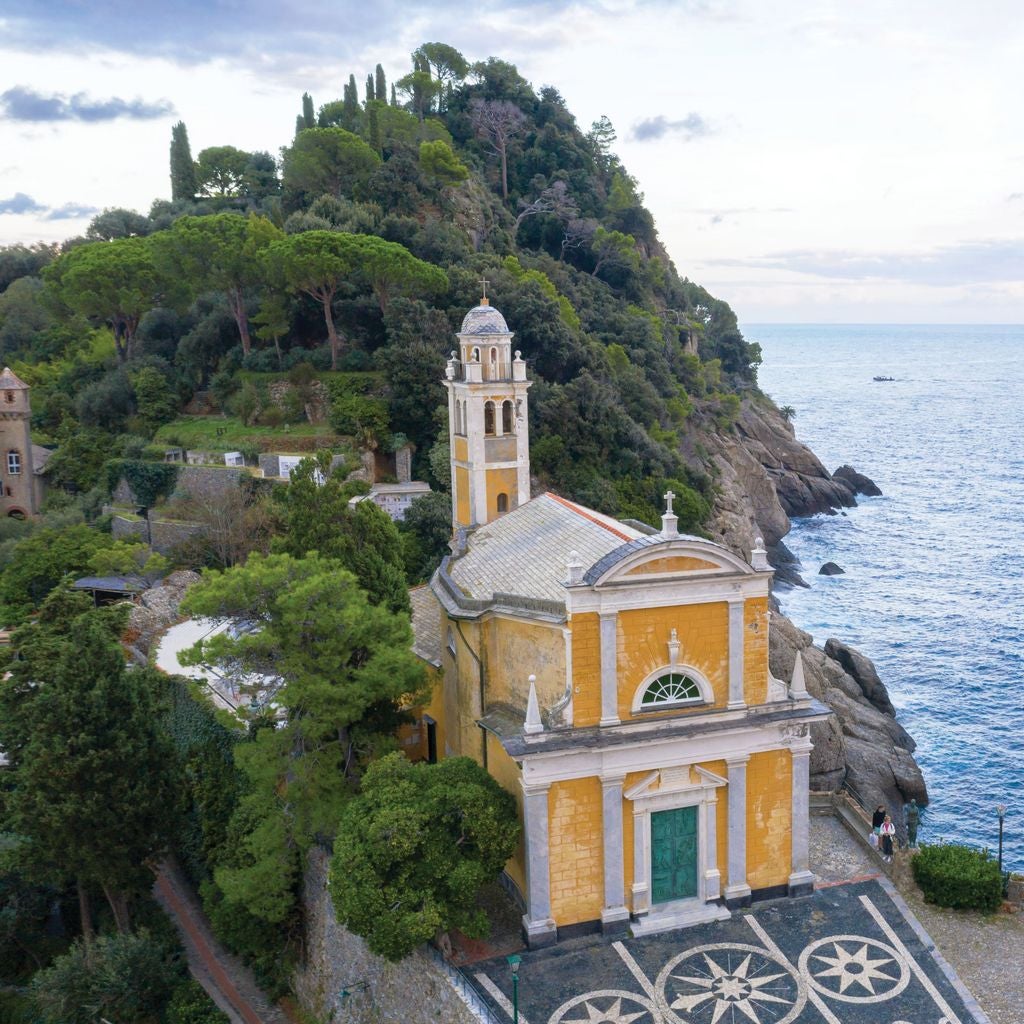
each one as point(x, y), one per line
point(476, 355)
point(506, 417)
point(489, 418)
point(460, 417)
point(502, 504)
point(494, 364)
point(672, 688)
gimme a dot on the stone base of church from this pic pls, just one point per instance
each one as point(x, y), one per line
point(681, 915)
point(801, 883)
point(614, 920)
point(738, 896)
point(538, 934)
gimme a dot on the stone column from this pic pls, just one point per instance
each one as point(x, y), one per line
point(801, 881)
point(609, 670)
point(736, 699)
point(538, 925)
point(737, 891)
point(614, 914)
point(712, 875)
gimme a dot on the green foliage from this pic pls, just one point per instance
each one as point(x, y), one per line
point(220, 171)
point(125, 558)
point(183, 171)
point(25, 907)
point(326, 160)
point(414, 849)
point(191, 1005)
point(149, 481)
point(123, 978)
point(438, 161)
point(156, 400)
point(426, 530)
point(953, 875)
point(41, 561)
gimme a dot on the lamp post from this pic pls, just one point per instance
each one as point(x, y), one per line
point(513, 962)
point(1001, 811)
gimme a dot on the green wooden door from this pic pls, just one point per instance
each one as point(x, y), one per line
point(673, 854)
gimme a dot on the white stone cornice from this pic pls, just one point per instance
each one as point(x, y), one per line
point(644, 593)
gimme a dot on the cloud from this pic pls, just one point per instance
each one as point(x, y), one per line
point(968, 262)
point(691, 127)
point(1015, 197)
point(720, 215)
point(21, 103)
point(20, 203)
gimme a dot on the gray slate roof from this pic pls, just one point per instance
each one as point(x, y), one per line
point(484, 320)
point(599, 568)
point(426, 624)
point(526, 551)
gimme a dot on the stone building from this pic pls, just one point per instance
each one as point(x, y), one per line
point(21, 462)
point(614, 679)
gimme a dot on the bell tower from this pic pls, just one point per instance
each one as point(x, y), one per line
point(19, 487)
point(488, 420)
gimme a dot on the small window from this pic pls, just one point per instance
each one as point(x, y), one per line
point(506, 417)
point(502, 504)
point(451, 643)
point(13, 463)
point(670, 689)
point(8, 396)
point(489, 418)
point(476, 355)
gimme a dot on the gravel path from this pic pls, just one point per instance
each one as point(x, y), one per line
point(987, 952)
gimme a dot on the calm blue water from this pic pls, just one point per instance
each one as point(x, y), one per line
point(934, 584)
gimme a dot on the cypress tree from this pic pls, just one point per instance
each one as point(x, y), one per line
point(351, 101)
point(376, 143)
point(381, 90)
point(300, 124)
point(394, 97)
point(307, 111)
point(183, 170)
point(370, 94)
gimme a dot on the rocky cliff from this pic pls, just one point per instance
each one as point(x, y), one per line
point(765, 476)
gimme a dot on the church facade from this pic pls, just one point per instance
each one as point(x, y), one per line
point(614, 678)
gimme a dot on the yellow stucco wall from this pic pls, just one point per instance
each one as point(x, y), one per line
point(679, 563)
point(516, 649)
point(769, 818)
point(755, 650)
point(501, 481)
point(461, 496)
point(435, 708)
point(576, 850)
point(643, 635)
point(506, 772)
point(462, 688)
point(460, 449)
point(586, 669)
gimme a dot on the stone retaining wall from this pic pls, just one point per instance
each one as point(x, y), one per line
point(414, 991)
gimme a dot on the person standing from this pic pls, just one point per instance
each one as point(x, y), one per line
point(876, 825)
point(887, 831)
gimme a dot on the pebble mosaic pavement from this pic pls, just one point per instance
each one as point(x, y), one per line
point(845, 955)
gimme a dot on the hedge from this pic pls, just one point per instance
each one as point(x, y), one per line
point(954, 875)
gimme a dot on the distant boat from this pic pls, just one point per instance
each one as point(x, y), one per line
point(883, 378)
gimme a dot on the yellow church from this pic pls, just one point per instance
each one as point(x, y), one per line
point(614, 678)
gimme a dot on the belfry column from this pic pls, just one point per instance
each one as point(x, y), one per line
point(538, 925)
point(737, 891)
point(801, 881)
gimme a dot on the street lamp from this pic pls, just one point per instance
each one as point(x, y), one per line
point(1001, 811)
point(513, 962)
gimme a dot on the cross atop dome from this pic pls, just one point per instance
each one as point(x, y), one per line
point(484, 301)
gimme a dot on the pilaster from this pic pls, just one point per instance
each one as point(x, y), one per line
point(609, 669)
point(736, 698)
point(538, 925)
point(614, 914)
point(737, 891)
point(801, 880)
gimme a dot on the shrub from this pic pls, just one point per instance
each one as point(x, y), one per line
point(191, 1005)
point(954, 875)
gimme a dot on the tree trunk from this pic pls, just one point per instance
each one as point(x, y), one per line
point(85, 913)
point(277, 348)
point(119, 328)
point(119, 906)
point(504, 171)
point(239, 312)
point(332, 331)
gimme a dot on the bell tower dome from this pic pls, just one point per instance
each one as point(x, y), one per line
point(488, 420)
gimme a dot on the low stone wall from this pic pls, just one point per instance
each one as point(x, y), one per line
point(414, 991)
point(208, 481)
point(129, 528)
point(167, 534)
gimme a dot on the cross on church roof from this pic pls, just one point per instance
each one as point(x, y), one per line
point(483, 285)
point(668, 501)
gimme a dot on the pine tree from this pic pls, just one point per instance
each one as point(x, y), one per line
point(309, 120)
point(370, 94)
point(381, 91)
point(183, 170)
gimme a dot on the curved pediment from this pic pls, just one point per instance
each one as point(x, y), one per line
point(658, 557)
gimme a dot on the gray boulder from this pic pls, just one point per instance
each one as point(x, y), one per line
point(831, 569)
point(857, 482)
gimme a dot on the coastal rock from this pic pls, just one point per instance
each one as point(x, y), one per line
point(831, 569)
point(857, 482)
point(157, 609)
point(862, 671)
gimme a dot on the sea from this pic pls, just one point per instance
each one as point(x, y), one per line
point(933, 588)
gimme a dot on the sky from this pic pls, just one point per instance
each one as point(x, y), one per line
point(806, 160)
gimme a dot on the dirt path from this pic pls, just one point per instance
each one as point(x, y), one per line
point(227, 981)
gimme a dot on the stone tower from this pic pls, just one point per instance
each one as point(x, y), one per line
point(488, 421)
point(20, 495)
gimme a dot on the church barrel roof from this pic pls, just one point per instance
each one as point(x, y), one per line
point(426, 624)
point(526, 551)
point(484, 319)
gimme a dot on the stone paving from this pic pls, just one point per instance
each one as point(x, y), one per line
point(845, 955)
